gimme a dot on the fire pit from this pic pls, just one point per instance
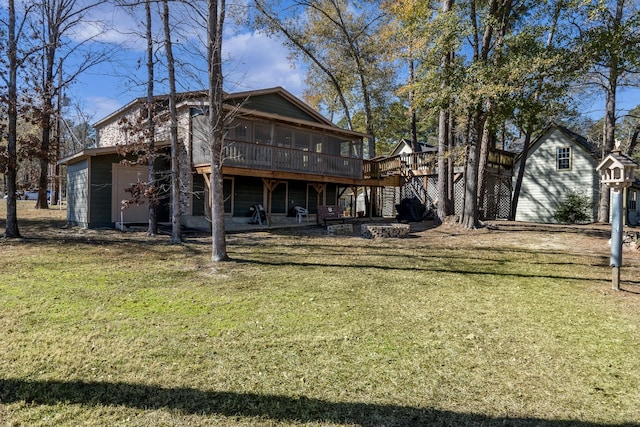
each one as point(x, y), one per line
point(372, 231)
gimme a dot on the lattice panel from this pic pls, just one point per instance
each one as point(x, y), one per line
point(458, 197)
point(390, 198)
point(497, 198)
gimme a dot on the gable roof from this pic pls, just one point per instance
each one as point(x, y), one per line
point(274, 101)
point(420, 147)
point(137, 102)
point(579, 139)
point(569, 134)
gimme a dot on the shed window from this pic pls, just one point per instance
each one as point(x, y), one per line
point(563, 158)
point(633, 201)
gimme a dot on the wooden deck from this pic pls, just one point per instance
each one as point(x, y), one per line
point(274, 162)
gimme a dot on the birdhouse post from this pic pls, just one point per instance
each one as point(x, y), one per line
point(616, 172)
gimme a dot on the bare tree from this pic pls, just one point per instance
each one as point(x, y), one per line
point(11, 228)
point(152, 229)
point(18, 54)
point(176, 208)
point(58, 19)
point(216, 15)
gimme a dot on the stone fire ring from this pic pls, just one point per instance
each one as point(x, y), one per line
point(373, 231)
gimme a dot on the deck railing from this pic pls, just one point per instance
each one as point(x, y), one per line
point(284, 159)
point(425, 163)
point(501, 158)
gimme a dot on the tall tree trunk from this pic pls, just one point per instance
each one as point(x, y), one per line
point(483, 157)
point(43, 152)
point(610, 112)
point(443, 144)
point(152, 229)
point(48, 93)
point(443, 135)
point(216, 14)
point(470, 212)
point(530, 123)
point(11, 226)
point(609, 138)
point(451, 165)
point(176, 205)
point(412, 107)
point(521, 169)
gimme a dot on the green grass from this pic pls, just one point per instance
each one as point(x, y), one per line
point(446, 328)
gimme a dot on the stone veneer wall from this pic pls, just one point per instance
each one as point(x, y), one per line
point(372, 231)
point(112, 133)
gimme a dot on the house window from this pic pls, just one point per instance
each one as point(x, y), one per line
point(563, 158)
point(633, 201)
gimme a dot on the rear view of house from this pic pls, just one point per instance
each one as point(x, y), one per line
point(278, 153)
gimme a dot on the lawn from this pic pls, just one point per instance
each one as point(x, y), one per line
point(507, 325)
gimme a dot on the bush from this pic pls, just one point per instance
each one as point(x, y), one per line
point(574, 209)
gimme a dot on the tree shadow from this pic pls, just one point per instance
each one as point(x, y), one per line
point(277, 408)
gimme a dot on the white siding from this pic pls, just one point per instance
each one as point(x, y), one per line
point(544, 187)
point(77, 193)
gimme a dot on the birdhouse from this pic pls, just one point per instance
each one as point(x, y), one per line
point(616, 170)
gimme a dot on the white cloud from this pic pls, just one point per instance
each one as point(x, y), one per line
point(99, 107)
point(110, 25)
point(254, 60)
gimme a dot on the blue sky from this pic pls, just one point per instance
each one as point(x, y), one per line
point(252, 60)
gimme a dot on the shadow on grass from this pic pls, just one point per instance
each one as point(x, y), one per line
point(278, 408)
point(426, 269)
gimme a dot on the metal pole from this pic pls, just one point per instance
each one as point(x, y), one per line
point(616, 237)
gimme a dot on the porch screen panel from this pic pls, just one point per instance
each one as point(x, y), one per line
point(283, 136)
point(302, 140)
point(240, 130)
point(200, 150)
point(262, 133)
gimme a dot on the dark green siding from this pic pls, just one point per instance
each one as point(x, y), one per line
point(227, 187)
point(102, 192)
point(313, 200)
point(198, 197)
point(162, 166)
point(332, 194)
point(279, 199)
point(101, 186)
point(275, 104)
point(248, 192)
point(297, 194)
